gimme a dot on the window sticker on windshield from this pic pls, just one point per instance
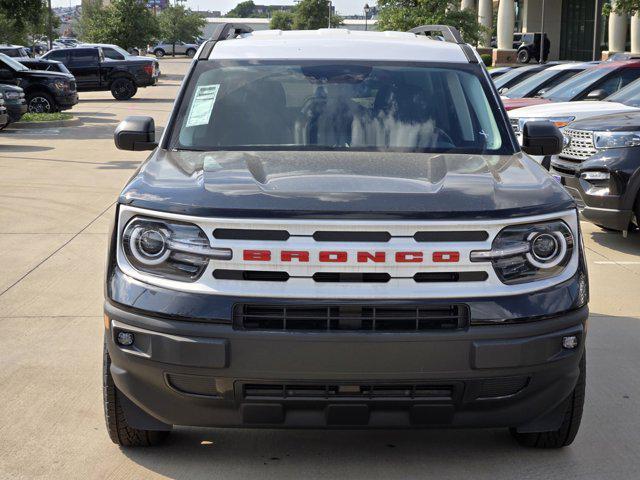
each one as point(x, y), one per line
point(202, 105)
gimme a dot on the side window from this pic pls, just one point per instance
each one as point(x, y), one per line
point(87, 56)
point(112, 54)
point(619, 80)
point(59, 55)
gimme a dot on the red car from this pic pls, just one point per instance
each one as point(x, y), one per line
point(594, 83)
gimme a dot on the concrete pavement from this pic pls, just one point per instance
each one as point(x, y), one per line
point(57, 189)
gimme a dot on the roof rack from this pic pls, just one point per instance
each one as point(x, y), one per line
point(224, 31)
point(449, 34)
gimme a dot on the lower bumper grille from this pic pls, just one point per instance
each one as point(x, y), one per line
point(351, 317)
point(346, 392)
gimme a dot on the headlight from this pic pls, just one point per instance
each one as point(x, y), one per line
point(616, 139)
point(527, 253)
point(12, 95)
point(60, 85)
point(174, 250)
point(559, 122)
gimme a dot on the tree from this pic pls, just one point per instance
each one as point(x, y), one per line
point(622, 6)
point(127, 23)
point(281, 20)
point(180, 24)
point(242, 10)
point(314, 14)
point(17, 17)
point(404, 15)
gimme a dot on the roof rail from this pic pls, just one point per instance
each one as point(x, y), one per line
point(450, 34)
point(224, 31)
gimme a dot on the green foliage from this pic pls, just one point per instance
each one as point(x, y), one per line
point(180, 24)
point(281, 21)
point(45, 117)
point(404, 15)
point(21, 18)
point(127, 23)
point(314, 14)
point(242, 10)
point(487, 59)
point(621, 6)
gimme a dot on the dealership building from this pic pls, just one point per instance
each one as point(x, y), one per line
point(576, 28)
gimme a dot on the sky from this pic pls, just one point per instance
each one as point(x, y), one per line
point(345, 7)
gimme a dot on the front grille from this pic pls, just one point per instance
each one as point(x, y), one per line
point(351, 317)
point(345, 392)
point(580, 147)
point(515, 124)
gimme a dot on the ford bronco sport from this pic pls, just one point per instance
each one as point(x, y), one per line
point(339, 230)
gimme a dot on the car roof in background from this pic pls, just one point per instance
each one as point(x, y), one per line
point(337, 43)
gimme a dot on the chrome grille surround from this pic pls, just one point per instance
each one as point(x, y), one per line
point(580, 147)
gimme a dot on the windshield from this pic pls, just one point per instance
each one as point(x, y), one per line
point(11, 63)
point(508, 78)
point(549, 78)
point(630, 95)
point(336, 106)
point(567, 91)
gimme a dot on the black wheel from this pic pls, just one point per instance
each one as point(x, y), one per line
point(524, 56)
point(40, 102)
point(570, 424)
point(123, 89)
point(191, 53)
point(119, 431)
point(158, 52)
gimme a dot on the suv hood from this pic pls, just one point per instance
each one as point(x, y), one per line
point(344, 184)
point(45, 74)
point(617, 122)
point(579, 109)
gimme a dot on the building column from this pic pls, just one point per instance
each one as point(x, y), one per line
point(505, 53)
point(485, 18)
point(467, 4)
point(635, 33)
point(617, 31)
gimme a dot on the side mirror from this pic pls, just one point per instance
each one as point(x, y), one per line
point(597, 94)
point(541, 138)
point(136, 134)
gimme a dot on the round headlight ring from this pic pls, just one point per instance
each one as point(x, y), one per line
point(140, 239)
point(551, 260)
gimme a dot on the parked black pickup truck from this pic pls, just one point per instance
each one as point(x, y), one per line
point(94, 72)
point(45, 91)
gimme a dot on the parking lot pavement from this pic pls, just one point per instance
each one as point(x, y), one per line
point(57, 189)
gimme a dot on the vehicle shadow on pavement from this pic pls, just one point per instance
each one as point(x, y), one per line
point(23, 148)
point(616, 241)
point(240, 453)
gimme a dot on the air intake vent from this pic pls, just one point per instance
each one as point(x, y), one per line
point(502, 387)
point(345, 392)
point(351, 317)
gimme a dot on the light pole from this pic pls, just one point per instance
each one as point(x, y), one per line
point(367, 9)
point(329, 23)
point(542, 36)
point(49, 25)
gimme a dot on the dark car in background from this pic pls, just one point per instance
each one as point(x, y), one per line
point(4, 118)
point(14, 101)
point(94, 72)
point(14, 51)
point(46, 65)
point(517, 75)
point(114, 52)
point(44, 91)
point(499, 71)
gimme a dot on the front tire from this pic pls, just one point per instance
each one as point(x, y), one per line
point(191, 53)
point(40, 102)
point(159, 53)
point(524, 56)
point(567, 432)
point(119, 430)
point(123, 89)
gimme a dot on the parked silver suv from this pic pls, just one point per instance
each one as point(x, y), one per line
point(163, 48)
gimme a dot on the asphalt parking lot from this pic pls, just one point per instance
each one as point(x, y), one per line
point(57, 191)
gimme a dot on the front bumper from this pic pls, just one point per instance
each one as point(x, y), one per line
point(210, 374)
point(67, 101)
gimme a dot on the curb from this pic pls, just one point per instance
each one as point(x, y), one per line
point(72, 122)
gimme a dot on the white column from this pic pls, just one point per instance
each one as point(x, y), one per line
point(506, 24)
point(617, 31)
point(635, 33)
point(485, 18)
point(467, 4)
